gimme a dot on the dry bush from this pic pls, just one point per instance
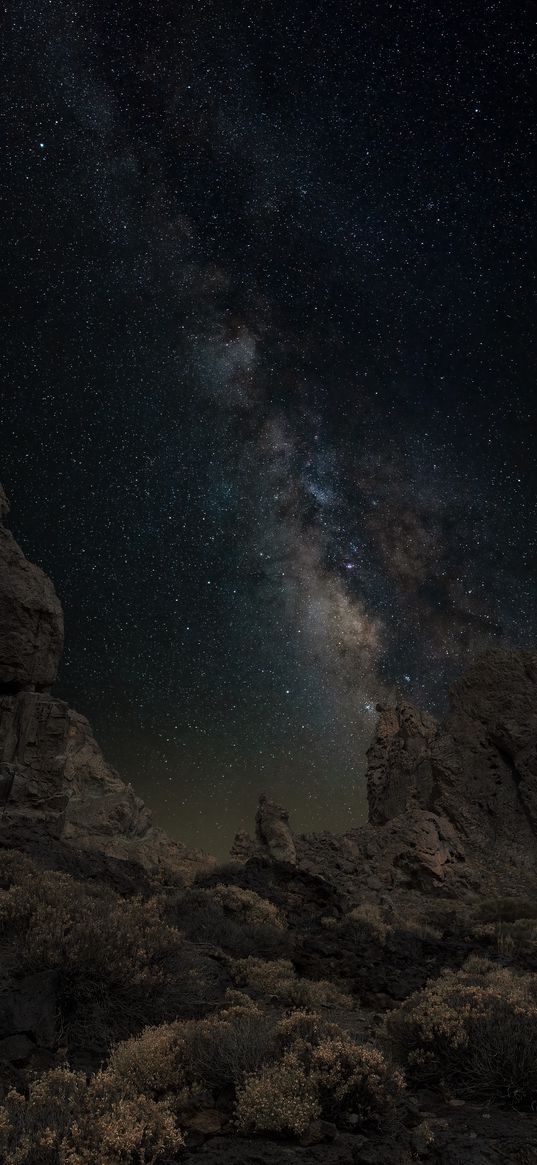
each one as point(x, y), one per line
point(277, 979)
point(352, 1078)
point(306, 1026)
point(239, 921)
point(332, 1077)
point(152, 1063)
point(505, 909)
point(512, 940)
point(246, 905)
point(172, 1059)
point(474, 1030)
point(281, 1098)
point(225, 1047)
point(366, 919)
point(65, 1120)
point(120, 965)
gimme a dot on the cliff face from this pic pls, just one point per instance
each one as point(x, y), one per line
point(452, 804)
point(55, 784)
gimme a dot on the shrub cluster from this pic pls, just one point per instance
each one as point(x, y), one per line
point(277, 979)
point(474, 1031)
point(322, 1073)
point(239, 921)
point(64, 1120)
point(119, 964)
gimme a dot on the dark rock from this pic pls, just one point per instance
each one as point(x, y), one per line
point(55, 784)
point(16, 1049)
point(30, 1006)
point(31, 618)
point(452, 804)
point(273, 837)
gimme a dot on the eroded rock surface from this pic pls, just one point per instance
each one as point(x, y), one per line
point(452, 804)
point(31, 618)
point(55, 784)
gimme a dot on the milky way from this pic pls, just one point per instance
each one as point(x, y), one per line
point(270, 368)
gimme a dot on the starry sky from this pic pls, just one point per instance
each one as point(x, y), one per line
point(270, 353)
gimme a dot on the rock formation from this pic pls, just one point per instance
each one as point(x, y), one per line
point(56, 788)
point(452, 804)
point(273, 837)
point(31, 619)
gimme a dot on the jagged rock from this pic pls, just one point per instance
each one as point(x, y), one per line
point(55, 783)
point(31, 618)
point(452, 804)
point(272, 830)
point(273, 837)
point(472, 778)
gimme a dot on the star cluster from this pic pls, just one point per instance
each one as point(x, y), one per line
point(270, 354)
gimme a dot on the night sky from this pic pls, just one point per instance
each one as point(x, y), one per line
point(270, 354)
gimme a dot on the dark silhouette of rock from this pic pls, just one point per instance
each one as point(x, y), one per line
point(273, 837)
point(55, 784)
point(31, 618)
point(452, 804)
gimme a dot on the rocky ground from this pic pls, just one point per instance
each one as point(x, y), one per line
point(367, 998)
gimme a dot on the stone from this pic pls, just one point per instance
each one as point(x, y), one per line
point(31, 618)
point(272, 831)
point(452, 802)
point(273, 837)
point(56, 788)
point(16, 1049)
point(29, 1005)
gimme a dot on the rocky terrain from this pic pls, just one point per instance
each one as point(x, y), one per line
point(57, 790)
point(362, 999)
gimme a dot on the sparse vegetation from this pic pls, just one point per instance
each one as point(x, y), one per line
point(474, 1031)
point(505, 909)
point(239, 921)
point(278, 981)
point(119, 964)
point(331, 1077)
point(281, 1098)
point(66, 1120)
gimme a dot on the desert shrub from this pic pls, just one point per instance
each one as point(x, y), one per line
point(64, 1120)
point(331, 1077)
point(306, 1026)
point(511, 940)
point(235, 998)
point(224, 1047)
point(57, 922)
point(281, 1098)
point(246, 905)
point(14, 867)
point(119, 964)
point(352, 1077)
point(277, 979)
point(366, 919)
point(505, 909)
point(237, 920)
point(172, 1059)
point(474, 1030)
point(152, 1063)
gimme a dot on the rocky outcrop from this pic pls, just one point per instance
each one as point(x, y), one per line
point(452, 804)
point(55, 783)
point(31, 618)
point(273, 837)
